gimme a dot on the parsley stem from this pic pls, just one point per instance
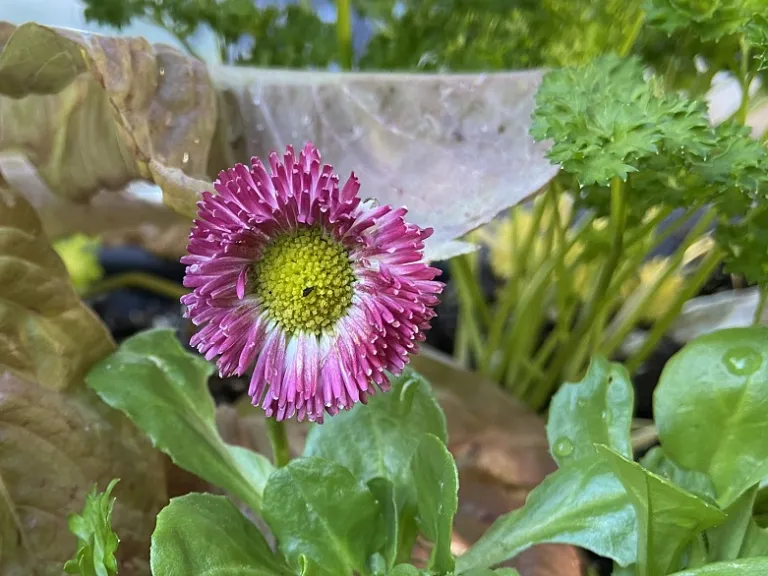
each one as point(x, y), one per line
point(660, 328)
point(344, 33)
point(598, 298)
point(278, 439)
point(745, 79)
point(756, 320)
point(461, 271)
point(511, 290)
point(629, 316)
point(634, 32)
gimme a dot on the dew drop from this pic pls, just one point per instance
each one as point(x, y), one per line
point(581, 403)
point(563, 447)
point(742, 361)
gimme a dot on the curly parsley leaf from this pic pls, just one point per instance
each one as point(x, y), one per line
point(707, 19)
point(605, 119)
point(96, 541)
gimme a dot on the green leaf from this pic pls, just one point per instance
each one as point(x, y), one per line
point(488, 572)
point(710, 411)
point(164, 390)
point(668, 517)
point(597, 410)
point(755, 541)
point(207, 534)
point(605, 119)
point(381, 438)
point(692, 481)
point(96, 542)
point(707, 19)
point(725, 541)
point(384, 492)
point(318, 509)
point(437, 486)
point(407, 570)
point(748, 567)
point(582, 504)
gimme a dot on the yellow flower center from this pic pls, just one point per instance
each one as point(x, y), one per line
point(304, 279)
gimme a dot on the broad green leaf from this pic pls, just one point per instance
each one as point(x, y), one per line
point(207, 534)
point(581, 504)
point(597, 410)
point(746, 567)
point(668, 517)
point(47, 335)
point(692, 481)
point(164, 390)
point(318, 509)
point(96, 542)
point(437, 487)
point(755, 541)
point(726, 541)
point(381, 438)
point(488, 572)
point(58, 437)
point(384, 493)
point(407, 570)
point(709, 408)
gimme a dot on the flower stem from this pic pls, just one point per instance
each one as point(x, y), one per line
point(140, 280)
point(344, 33)
point(278, 439)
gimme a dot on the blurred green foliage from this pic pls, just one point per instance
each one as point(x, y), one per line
point(412, 34)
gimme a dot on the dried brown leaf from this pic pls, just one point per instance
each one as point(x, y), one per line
point(92, 111)
point(47, 335)
point(57, 437)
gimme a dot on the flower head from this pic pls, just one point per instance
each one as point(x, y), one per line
point(315, 290)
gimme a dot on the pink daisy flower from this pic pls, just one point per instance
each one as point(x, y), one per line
point(316, 290)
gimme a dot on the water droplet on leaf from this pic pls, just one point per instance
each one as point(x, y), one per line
point(563, 447)
point(742, 361)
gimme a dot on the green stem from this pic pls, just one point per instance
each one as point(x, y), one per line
point(756, 320)
point(661, 327)
point(598, 297)
point(467, 281)
point(745, 79)
point(344, 33)
point(510, 292)
point(278, 439)
point(626, 321)
point(631, 38)
point(467, 309)
point(140, 280)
